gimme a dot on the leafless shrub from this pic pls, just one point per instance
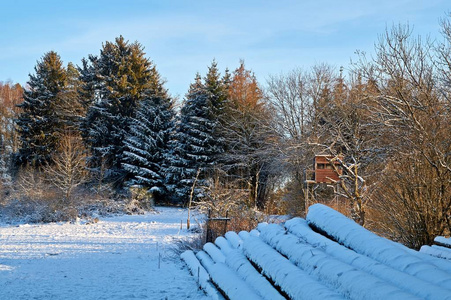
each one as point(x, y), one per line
point(221, 200)
point(411, 206)
point(34, 198)
point(194, 243)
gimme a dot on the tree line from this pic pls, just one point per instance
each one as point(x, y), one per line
point(115, 106)
point(233, 143)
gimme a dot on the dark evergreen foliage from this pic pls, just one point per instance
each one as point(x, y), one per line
point(38, 124)
point(194, 147)
point(216, 89)
point(147, 145)
point(88, 81)
point(116, 82)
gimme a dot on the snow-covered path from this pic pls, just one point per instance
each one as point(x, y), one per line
point(116, 258)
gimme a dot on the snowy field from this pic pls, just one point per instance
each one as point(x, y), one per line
point(126, 257)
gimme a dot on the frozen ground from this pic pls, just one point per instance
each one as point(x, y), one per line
point(116, 258)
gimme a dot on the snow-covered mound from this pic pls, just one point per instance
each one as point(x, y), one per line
point(126, 257)
point(443, 241)
point(441, 249)
point(326, 256)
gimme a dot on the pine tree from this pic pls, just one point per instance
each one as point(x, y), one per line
point(194, 147)
point(117, 81)
point(38, 124)
point(147, 145)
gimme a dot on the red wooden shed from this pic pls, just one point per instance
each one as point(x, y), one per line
point(324, 170)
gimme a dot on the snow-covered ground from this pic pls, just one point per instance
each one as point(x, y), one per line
point(126, 257)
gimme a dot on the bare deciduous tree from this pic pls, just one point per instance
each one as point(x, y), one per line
point(346, 134)
point(295, 99)
point(289, 95)
point(67, 169)
point(412, 109)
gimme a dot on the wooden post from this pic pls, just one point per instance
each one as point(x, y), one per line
point(306, 198)
point(225, 222)
point(208, 237)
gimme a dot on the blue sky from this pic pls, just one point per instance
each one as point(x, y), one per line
point(183, 37)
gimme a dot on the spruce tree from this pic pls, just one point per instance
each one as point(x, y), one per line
point(117, 81)
point(216, 89)
point(194, 148)
point(88, 82)
point(146, 147)
point(38, 124)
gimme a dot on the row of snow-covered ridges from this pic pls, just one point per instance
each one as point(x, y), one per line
point(296, 262)
point(441, 249)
